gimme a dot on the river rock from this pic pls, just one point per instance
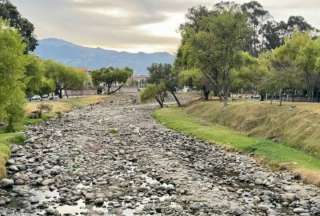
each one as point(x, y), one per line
point(5, 183)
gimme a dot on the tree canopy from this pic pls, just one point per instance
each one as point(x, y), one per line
point(107, 77)
point(10, 13)
point(65, 78)
point(165, 78)
point(214, 47)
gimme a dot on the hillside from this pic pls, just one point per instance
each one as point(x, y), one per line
point(94, 58)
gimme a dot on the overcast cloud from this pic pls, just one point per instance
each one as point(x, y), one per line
point(133, 25)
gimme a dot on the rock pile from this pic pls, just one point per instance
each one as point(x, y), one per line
point(116, 160)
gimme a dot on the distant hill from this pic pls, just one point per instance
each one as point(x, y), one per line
point(94, 58)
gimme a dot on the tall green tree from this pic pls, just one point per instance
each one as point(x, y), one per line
point(257, 16)
point(217, 48)
point(307, 62)
point(10, 13)
point(12, 66)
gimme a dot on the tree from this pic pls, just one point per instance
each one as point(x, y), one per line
point(194, 17)
point(47, 86)
point(109, 77)
point(257, 16)
point(217, 47)
point(153, 91)
point(34, 75)
point(12, 63)
point(10, 13)
point(74, 79)
point(277, 60)
point(55, 71)
point(288, 69)
point(195, 79)
point(64, 77)
point(163, 74)
point(307, 61)
point(273, 34)
point(298, 23)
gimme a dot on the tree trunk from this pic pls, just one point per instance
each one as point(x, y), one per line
point(112, 92)
point(60, 93)
point(108, 89)
point(160, 102)
point(280, 97)
point(293, 95)
point(206, 93)
point(225, 101)
point(312, 96)
point(176, 99)
point(225, 94)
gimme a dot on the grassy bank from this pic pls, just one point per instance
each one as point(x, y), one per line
point(297, 124)
point(56, 108)
point(275, 154)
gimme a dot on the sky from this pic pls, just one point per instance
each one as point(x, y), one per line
point(134, 25)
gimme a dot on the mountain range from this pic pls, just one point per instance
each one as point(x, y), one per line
point(94, 58)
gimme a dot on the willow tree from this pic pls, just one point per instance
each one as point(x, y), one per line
point(12, 67)
point(65, 77)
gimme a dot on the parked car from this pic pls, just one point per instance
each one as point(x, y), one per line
point(36, 98)
point(45, 96)
point(53, 97)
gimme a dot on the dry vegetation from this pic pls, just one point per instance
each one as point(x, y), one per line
point(65, 105)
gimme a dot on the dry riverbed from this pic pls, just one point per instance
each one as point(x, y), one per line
point(114, 159)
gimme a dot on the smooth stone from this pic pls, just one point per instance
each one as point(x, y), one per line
point(6, 183)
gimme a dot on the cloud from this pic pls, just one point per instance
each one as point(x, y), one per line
point(146, 25)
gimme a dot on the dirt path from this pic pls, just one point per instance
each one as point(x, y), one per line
point(115, 159)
